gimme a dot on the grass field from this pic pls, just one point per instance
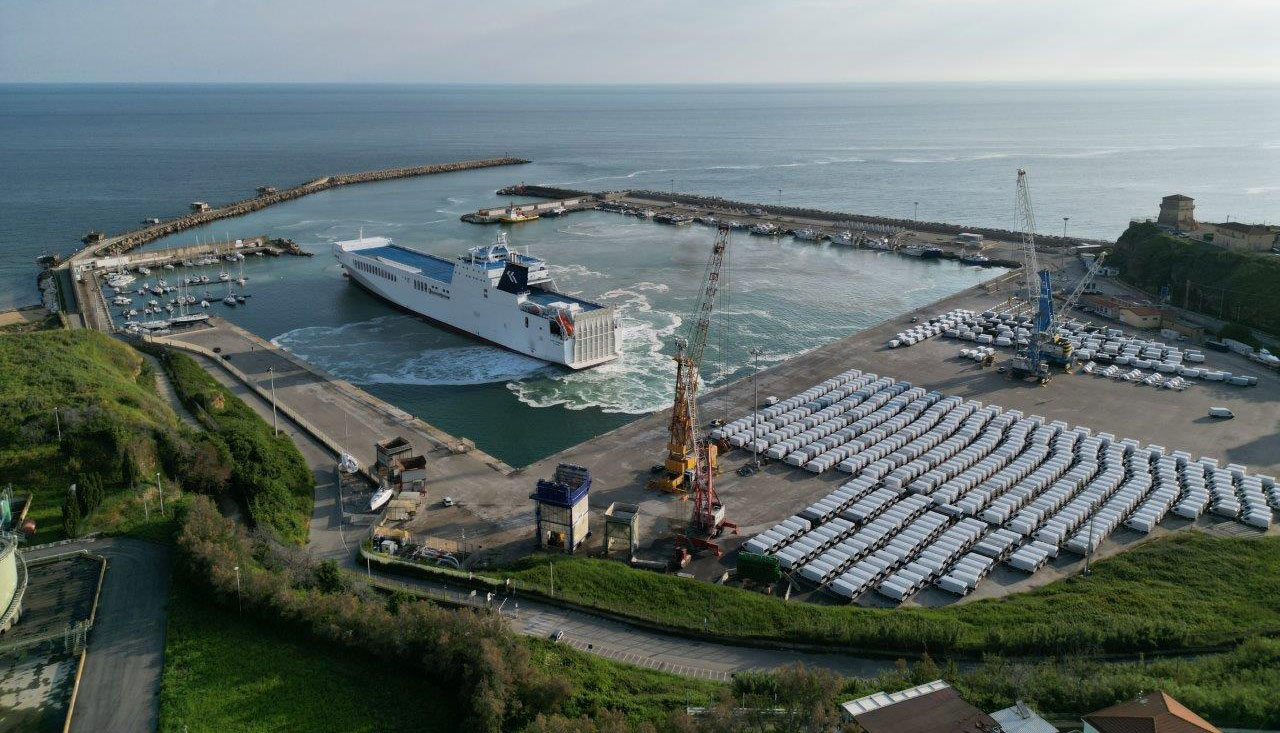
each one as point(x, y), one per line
point(640, 694)
point(223, 672)
point(1186, 591)
point(106, 403)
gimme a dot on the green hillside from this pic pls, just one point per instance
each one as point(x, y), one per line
point(1242, 287)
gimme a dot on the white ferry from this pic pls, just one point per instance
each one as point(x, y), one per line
point(492, 292)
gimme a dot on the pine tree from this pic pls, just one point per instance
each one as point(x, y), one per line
point(82, 493)
point(93, 493)
point(71, 513)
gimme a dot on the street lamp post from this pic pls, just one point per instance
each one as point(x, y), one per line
point(1065, 219)
point(275, 430)
point(1089, 550)
point(756, 351)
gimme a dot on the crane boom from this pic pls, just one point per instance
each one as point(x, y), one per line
point(682, 448)
point(1030, 362)
point(1027, 228)
point(1081, 286)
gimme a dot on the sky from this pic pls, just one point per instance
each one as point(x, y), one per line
point(637, 41)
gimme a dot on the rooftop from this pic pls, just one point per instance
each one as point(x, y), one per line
point(1019, 718)
point(934, 707)
point(1177, 197)
point(1153, 713)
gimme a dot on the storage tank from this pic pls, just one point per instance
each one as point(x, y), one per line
point(13, 582)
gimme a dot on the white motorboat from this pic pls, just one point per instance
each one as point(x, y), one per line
point(379, 499)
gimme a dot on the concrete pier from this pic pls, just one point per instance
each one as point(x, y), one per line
point(204, 215)
point(494, 214)
point(343, 417)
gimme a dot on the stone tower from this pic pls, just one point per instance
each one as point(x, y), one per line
point(1178, 212)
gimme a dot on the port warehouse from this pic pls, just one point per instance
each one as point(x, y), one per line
point(945, 488)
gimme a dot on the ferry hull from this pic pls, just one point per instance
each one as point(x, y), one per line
point(470, 298)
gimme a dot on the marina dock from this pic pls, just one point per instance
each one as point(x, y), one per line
point(87, 278)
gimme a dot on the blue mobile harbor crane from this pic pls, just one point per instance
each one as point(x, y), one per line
point(1045, 346)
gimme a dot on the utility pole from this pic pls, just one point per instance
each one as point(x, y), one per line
point(755, 398)
point(779, 197)
point(275, 430)
point(915, 213)
point(239, 603)
point(1089, 550)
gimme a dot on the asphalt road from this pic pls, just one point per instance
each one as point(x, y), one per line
point(121, 682)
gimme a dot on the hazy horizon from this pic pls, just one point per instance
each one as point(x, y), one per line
point(656, 42)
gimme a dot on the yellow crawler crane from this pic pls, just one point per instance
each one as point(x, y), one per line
point(682, 449)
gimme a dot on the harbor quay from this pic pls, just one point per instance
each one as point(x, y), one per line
point(1001, 247)
point(491, 513)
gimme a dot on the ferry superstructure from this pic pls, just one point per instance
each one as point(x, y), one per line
point(493, 293)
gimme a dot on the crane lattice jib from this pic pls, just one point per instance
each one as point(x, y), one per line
point(1080, 287)
point(1027, 227)
point(684, 415)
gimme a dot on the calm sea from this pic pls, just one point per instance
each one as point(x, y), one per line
point(75, 158)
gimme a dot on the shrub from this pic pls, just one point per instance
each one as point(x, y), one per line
point(265, 472)
point(473, 652)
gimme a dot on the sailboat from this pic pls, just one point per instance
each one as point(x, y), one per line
point(184, 318)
